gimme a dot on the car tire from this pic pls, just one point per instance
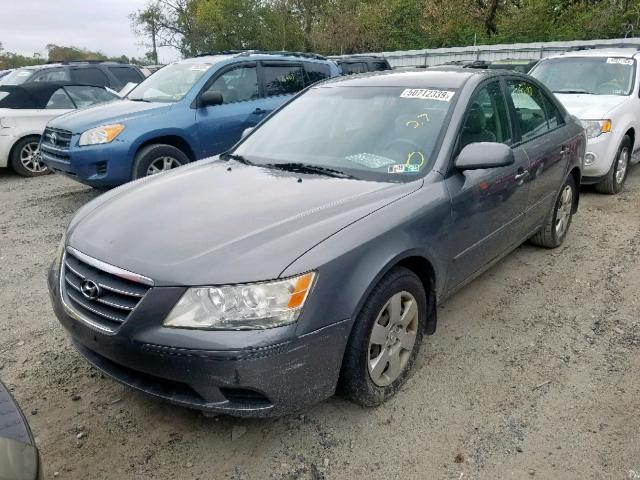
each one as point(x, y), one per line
point(25, 158)
point(614, 181)
point(371, 372)
point(157, 158)
point(557, 224)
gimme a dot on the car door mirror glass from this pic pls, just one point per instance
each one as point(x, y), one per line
point(209, 99)
point(484, 155)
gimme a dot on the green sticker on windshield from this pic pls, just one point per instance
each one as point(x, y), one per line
point(404, 168)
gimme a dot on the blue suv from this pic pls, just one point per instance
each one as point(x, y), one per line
point(186, 111)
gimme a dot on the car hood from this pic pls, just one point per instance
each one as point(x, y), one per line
point(208, 224)
point(78, 121)
point(589, 107)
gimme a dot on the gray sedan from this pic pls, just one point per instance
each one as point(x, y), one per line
point(311, 257)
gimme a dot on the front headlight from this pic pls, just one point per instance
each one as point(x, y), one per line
point(103, 134)
point(242, 307)
point(595, 128)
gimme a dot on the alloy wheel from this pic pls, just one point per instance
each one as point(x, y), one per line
point(621, 165)
point(30, 158)
point(392, 339)
point(563, 214)
point(162, 164)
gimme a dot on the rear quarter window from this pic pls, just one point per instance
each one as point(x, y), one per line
point(316, 72)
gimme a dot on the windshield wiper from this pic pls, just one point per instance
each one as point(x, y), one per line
point(237, 158)
point(306, 168)
point(138, 100)
point(575, 90)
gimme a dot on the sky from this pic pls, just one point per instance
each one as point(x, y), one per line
point(27, 26)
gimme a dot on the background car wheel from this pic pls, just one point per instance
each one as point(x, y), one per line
point(557, 224)
point(385, 339)
point(157, 158)
point(25, 158)
point(614, 181)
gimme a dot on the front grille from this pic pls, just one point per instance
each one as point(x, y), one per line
point(56, 138)
point(114, 300)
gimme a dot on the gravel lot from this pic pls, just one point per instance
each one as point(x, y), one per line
point(533, 372)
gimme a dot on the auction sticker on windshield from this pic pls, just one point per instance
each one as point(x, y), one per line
point(620, 61)
point(427, 94)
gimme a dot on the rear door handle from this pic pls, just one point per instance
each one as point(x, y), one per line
point(565, 151)
point(522, 175)
point(259, 111)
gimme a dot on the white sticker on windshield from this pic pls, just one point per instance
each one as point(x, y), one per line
point(427, 94)
point(200, 67)
point(620, 61)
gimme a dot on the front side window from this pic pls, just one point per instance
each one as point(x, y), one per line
point(237, 85)
point(587, 75)
point(486, 119)
point(373, 133)
point(60, 101)
point(18, 76)
point(84, 96)
point(529, 105)
point(51, 75)
point(169, 84)
point(282, 79)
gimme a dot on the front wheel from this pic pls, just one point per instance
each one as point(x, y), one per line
point(25, 158)
point(157, 158)
point(614, 181)
point(385, 339)
point(556, 226)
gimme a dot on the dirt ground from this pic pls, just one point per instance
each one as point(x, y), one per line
point(533, 372)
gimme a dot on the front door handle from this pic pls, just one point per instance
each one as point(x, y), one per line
point(521, 175)
point(565, 151)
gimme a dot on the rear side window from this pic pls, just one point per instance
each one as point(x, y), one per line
point(87, 96)
point(126, 74)
point(90, 76)
point(60, 101)
point(529, 105)
point(316, 72)
point(379, 66)
point(353, 68)
point(51, 75)
point(553, 114)
point(282, 79)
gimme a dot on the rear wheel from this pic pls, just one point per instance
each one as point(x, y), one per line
point(158, 158)
point(25, 158)
point(385, 339)
point(614, 181)
point(557, 223)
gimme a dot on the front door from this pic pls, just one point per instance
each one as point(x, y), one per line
point(488, 205)
point(219, 127)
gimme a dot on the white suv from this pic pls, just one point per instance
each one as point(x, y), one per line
point(600, 87)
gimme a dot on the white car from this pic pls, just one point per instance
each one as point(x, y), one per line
point(601, 88)
point(25, 111)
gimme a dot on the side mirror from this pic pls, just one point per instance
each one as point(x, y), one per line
point(246, 132)
point(484, 155)
point(210, 99)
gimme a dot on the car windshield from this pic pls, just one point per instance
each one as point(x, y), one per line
point(370, 133)
point(170, 84)
point(17, 77)
point(592, 75)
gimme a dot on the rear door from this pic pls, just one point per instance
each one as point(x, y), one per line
point(219, 127)
point(280, 81)
point(488, 205)
point(540, 128)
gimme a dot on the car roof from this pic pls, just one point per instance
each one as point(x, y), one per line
point(217, 57)
point(600, 52)
point(34, 95)
point(435, 77)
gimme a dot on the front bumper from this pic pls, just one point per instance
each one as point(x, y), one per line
point(191, 368)
point(605, 148)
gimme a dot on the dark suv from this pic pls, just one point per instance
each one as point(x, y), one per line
point(361, 64)
point(102, 74)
